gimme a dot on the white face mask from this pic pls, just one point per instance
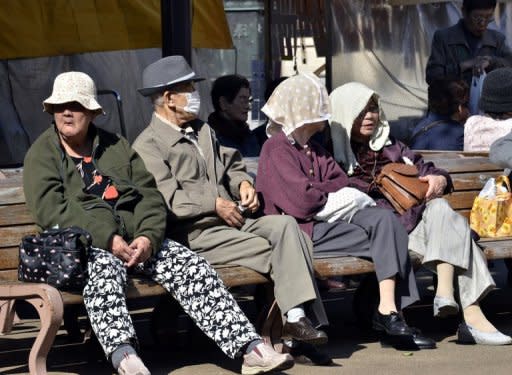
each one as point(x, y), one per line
point(193, 103)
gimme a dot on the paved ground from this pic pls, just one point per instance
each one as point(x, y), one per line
point(353, 351)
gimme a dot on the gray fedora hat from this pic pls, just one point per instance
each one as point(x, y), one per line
point(164, 73)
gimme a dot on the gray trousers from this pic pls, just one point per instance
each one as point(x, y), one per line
point(271, 244)
point(443, 235)
point(373, 233)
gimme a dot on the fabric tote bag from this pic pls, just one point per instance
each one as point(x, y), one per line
point(343, 204)
point(491, 214)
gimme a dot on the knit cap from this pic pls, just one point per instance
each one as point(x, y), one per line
point(496, 94)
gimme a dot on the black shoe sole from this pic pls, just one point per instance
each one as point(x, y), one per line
point(313, 341)
point(310, 352)
point(404, 342)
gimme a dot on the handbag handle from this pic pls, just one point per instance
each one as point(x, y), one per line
point(503, 180)
point(71, 230)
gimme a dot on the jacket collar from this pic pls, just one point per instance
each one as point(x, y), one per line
point(168, 134)
point(92, 131)
point(458, 36)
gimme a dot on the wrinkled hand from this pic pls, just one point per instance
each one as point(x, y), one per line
point(120, 249)
point(228, 211)
point(248, 196)
point(481, 64)
point(141, 247)
point(436, 185)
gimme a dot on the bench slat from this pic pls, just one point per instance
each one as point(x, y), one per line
point(463, 165)
point(141, 287)
point(9, 275)
point(499, 249)
point(471, 181)
point(9, 258)
point(342, 266)
point(235, 276)
point(460, 200)
point(15, 214)
point(11, 236)
point(11, 191)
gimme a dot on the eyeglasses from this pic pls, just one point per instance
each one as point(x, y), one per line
point(244, 99)
point(481, 20)
point(371, 107)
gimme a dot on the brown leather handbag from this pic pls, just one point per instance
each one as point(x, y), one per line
point(400, 184)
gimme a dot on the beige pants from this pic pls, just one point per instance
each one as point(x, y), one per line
point(443, 235)
point(271, 244)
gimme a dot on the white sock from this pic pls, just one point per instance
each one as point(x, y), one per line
point(293, 315)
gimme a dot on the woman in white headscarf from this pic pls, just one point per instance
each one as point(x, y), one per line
point(362, 146)
point(298, 177)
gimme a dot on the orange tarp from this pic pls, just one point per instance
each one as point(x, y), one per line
point(32, 28)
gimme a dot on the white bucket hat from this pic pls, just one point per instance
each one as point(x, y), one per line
point(73, 87)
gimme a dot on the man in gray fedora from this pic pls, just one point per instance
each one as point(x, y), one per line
point(212, 200)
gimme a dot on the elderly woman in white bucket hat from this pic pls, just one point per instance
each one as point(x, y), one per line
point(79, 175)
point(298, 177)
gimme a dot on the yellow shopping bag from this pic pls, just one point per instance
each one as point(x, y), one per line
point(491, 214)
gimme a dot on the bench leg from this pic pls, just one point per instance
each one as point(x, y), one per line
point(7, 316)
point(48, 303)
point(50, 314)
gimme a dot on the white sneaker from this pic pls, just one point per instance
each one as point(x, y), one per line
point(132, 365)
point(263, 358)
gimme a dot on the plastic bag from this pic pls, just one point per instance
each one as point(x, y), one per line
point(491, 214)
point(474, 93)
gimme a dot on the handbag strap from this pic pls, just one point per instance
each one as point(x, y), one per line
point(83, 233)
point(503, 180)
point(74, 230)
point(425, 129)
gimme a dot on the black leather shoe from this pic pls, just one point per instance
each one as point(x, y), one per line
point(416, 341)
point(304, 331)
point(422, 342)
point(393, 324)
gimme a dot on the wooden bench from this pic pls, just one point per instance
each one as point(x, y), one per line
point(15, 222)
point(469, 173)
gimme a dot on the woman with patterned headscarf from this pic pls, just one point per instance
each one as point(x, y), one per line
point(362, 146)
point(297, 177)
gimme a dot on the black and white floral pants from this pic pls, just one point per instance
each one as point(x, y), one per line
point(190, 280)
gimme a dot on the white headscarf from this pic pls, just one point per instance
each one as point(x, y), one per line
point(347, 102)
point(298, 100)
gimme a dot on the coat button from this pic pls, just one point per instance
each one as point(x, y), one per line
point(311, 172)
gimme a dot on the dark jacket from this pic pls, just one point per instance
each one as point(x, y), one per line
point(236, 134)
point(450, 47)
point(437, 132)
point(288, 187)
point(54, 190)
point(370, 165)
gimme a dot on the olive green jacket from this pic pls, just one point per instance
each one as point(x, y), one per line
point(55, 197)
